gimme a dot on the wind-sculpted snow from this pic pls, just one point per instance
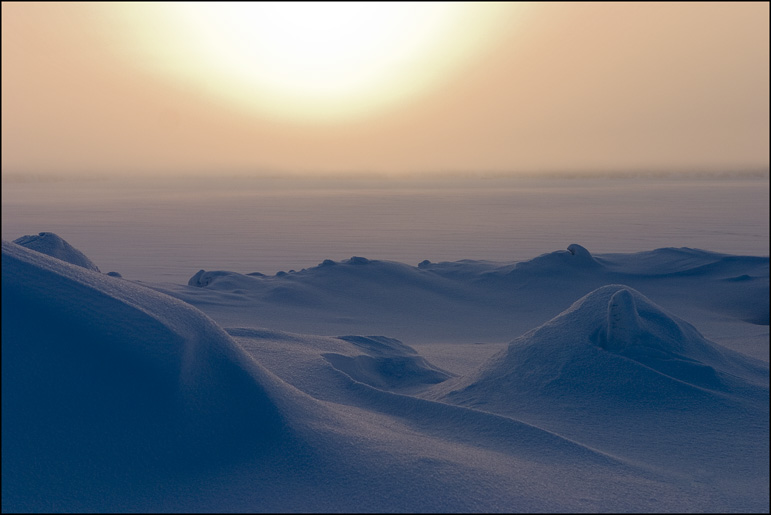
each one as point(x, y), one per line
point(617, 345)
point(467, 301)
point(386, 363)
point(621, 374)
point(117, 397)
point(51, 244)
point(105, 381)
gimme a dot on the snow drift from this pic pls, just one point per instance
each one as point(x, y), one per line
point(51, 244)
point(106, 384)
point(622, 375)
point(613, 343)
point(477, 301)
point(385, 363)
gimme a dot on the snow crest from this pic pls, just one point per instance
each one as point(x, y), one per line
point(53, 245)
point(624, 324)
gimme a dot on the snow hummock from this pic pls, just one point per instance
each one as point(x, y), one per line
point(385, 363)
point(575, 258)
point(108, 385)
point(51, 244)
point(622, 374)
point(602, 343)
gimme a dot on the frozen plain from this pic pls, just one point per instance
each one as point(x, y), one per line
point(569, 381)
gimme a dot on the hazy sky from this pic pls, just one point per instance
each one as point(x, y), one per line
point(413, 88)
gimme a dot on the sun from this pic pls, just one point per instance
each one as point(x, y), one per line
point(307, 60)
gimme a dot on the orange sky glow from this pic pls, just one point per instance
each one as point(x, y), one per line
point(251, 88)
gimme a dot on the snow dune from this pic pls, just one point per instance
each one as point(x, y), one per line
point(102, 377)
point(621, 374)
point(611, 350)
point(119, 397)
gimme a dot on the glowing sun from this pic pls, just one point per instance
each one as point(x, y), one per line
point(308, 60)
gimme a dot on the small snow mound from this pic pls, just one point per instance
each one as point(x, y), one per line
point(580, 252)
point(54, 246)
point(388, 373)
point(203, 279)
point(573, 259)
point(198, 279)
point(114, 274)
point(381, 345)
point(386, 363)
point(356, 260)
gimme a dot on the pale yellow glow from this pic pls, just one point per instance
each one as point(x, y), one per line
point(314, 61)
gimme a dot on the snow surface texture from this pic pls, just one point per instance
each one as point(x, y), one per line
point(118, 397)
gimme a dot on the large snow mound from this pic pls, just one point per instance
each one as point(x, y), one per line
point(621, 374)
point(53, 245)
point(613, 344)
point(106, 384)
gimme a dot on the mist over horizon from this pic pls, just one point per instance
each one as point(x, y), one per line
point(369, 176)
point(174, 226)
